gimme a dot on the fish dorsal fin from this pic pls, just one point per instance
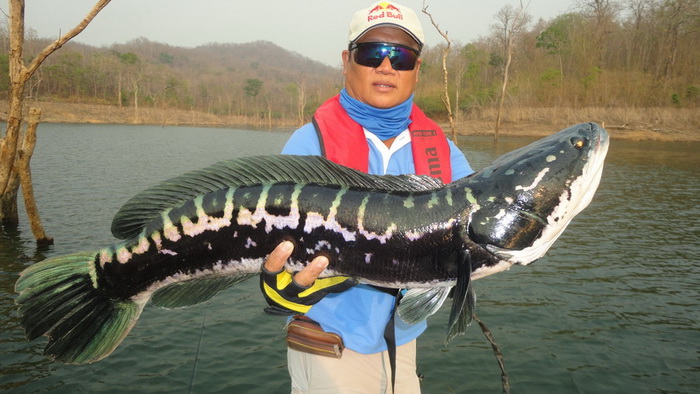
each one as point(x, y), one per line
point(250, 171)
point(464, 301)
point(417, 304)
point(184, 294)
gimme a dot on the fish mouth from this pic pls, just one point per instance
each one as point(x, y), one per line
point(593, 172)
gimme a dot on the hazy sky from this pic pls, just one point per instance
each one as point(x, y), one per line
point(314, 28)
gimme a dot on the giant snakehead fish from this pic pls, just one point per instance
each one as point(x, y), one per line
point(186, 239)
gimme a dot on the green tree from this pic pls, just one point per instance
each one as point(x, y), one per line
point(129, 58)
point(165, 58)
point(555, 40)
point(253, 87)
point(131, 71)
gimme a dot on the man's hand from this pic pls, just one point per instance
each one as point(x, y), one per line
point(288, 293)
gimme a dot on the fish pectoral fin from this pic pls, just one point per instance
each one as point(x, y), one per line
point(464, 301)
point(184, 294)
point(418, 304)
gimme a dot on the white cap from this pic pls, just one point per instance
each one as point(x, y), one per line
point(386, 13)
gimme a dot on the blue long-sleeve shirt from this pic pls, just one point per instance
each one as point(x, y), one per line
point(360, 314)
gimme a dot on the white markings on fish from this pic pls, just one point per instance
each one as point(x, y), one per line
point(500, 214)
point(550, 158)
point(253, 219)
point(486, 270)
point(291, 220)
point(123, 254)
point(320, 245)
point(315, 220)
point(244, 266)
point(535, 182)
point(157, 240)
point(246, 217)
point(159, 244)
point(369, 235)
point(169, 230)
point(105, 257)
point(142, 247)
point(282, 221)
point(415, 235)
point(249, 243)
point(206, 222)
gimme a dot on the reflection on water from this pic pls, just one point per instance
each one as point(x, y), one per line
point(613, 307)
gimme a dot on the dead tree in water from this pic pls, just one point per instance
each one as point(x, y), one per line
point(15, 156)
point(512, 23)
point(446, 94)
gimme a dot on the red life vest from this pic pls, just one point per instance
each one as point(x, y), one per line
point(343, 141)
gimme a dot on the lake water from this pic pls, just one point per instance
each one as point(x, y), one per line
point(614, 307)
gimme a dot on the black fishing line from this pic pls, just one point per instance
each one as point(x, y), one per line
point(496, 352)
point(199, 347)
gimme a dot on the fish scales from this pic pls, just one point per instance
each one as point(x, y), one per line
point(389, 241)
point(194, 235)
point(361, 221)
point(331, 224)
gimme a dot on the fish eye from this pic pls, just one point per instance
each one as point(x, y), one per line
point(578, 143)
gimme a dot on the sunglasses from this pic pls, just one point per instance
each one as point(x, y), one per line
point(372, 54)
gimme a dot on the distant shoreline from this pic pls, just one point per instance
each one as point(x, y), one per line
point(53, 112)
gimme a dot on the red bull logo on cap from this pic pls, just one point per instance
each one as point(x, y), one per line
point(384, 10)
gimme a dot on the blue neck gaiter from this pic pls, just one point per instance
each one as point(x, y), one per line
point(384, 123)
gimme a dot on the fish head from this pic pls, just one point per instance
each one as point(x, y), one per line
point(526, 198)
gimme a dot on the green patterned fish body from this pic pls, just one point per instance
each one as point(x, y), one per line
point(188, 238)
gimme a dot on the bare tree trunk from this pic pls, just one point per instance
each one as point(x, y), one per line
point(269, 112)
point(136, 101)
point(25, 176)
point(504, 85)
point(446, 95)
point(8, 204)
point(19, 76)
point(302, 102)
point(512, 23)
point(458, 87)
point(119, 90)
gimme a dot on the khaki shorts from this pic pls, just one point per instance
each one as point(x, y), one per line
point(354, 372)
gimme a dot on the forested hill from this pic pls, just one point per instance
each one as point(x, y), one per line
point(257, 79)
point(619, 61)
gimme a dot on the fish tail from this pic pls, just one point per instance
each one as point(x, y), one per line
point(59, 298)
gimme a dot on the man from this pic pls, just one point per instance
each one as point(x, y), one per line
point(373, 126)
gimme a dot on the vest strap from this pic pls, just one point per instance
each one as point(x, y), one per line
point(343, 141)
